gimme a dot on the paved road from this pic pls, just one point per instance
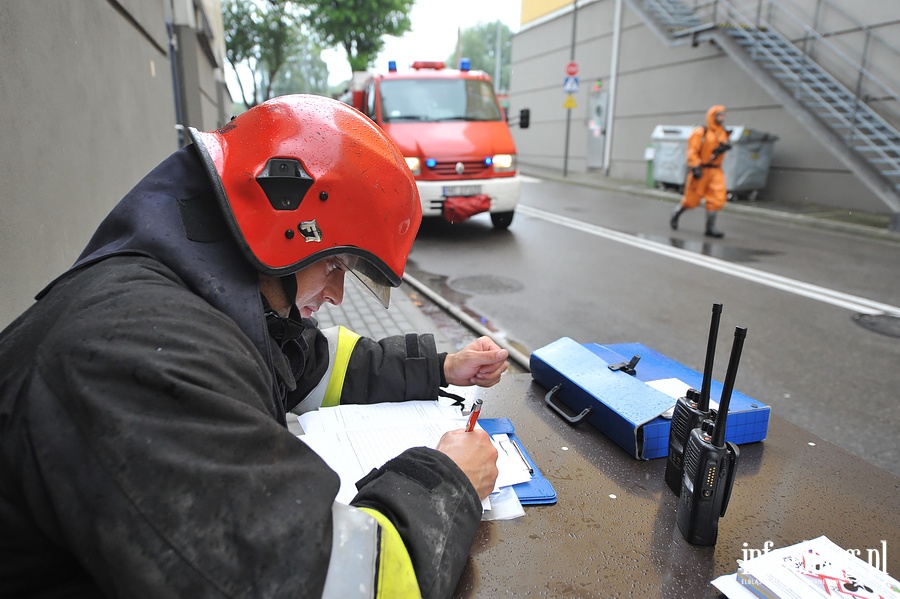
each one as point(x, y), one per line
point(602, 266)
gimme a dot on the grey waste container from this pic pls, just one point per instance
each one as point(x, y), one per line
point(746, 165)
point(669, 155)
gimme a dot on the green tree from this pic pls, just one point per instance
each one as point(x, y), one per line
point(360, 26)
point(303, 73)
point(479, 45)
point(269, 40)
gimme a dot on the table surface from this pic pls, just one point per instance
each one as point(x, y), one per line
point(612, 532)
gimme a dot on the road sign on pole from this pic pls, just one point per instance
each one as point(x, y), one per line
point(570, 102)
point(570, 86)
point(572, 68)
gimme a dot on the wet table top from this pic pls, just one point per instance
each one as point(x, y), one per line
point(612, 532)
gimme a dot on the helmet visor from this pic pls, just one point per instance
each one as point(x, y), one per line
point(368, 276)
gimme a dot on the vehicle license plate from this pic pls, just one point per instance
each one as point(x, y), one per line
point(462, 190)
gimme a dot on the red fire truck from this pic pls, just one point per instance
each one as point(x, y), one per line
point(453, 133)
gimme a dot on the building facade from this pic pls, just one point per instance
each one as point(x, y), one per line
point(93, 94)
point(631, 79)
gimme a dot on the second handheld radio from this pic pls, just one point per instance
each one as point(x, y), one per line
point(709, 466)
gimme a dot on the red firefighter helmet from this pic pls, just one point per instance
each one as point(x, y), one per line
point(303, 177)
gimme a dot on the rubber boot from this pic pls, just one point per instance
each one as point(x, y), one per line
point(676, 214)
point(711, 230)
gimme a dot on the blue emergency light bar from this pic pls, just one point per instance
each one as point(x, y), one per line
point(392, 66)
point(465, 64)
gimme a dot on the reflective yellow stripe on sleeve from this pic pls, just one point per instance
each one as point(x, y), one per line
point(396, 576)
point(345, 343)
point(368, 558)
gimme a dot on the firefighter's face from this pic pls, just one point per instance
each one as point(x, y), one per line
point(319, 283)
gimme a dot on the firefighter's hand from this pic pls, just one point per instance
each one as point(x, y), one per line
point(475, 456)
point(697, 172)
point(479, 363)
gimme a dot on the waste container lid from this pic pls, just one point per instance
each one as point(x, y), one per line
point(741, 133)
point(664, 132)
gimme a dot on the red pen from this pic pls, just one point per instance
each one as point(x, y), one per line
point(473, 417)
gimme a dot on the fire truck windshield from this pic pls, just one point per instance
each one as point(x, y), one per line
point(435, 100)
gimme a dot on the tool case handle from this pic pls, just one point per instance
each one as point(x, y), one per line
point(548, 399)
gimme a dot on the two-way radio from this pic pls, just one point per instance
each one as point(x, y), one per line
point(709, 466)
point(691, 410)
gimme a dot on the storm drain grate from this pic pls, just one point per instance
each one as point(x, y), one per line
point(485, 284)
point(884, 324)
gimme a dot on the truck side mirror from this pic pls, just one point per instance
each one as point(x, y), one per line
point(524, 118)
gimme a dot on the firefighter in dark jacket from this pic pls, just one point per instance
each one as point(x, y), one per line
point(706, 149)
point(144, 396)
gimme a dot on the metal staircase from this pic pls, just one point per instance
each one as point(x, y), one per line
point(861, 138)
point(673, 20)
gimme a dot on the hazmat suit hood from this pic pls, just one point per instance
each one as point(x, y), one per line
point(711, 116)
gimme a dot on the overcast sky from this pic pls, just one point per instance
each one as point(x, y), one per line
point(433, 35)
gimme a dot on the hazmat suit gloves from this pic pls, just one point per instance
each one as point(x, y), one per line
point(697, 172)
point(721, 149)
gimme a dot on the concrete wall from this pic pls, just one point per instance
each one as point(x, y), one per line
point(203, 97)
point(87, 108)
point(658, 84)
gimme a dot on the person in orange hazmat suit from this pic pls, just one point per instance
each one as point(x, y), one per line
point(705, 181)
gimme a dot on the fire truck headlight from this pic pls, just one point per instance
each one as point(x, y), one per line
point(414, 165)
point(504, 163)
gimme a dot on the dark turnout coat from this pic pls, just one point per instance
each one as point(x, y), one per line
point(143, 448)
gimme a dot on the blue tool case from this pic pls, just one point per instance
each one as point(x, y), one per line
point(608, 388)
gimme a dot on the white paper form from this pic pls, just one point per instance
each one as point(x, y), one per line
point(505, 505)
point(356, 417)
point(816, 568)
point(675, 388)
point(511, 464)
point(353, 454)
point(354, 439)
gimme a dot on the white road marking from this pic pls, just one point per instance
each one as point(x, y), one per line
point(829, 296)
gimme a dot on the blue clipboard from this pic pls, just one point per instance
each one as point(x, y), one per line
point(537, 491)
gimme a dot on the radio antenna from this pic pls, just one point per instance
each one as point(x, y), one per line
point(703, 402)
point(740, 333)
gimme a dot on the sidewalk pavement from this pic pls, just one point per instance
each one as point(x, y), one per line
point(362, 314)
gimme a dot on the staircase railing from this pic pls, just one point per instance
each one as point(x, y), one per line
point(849, 50)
